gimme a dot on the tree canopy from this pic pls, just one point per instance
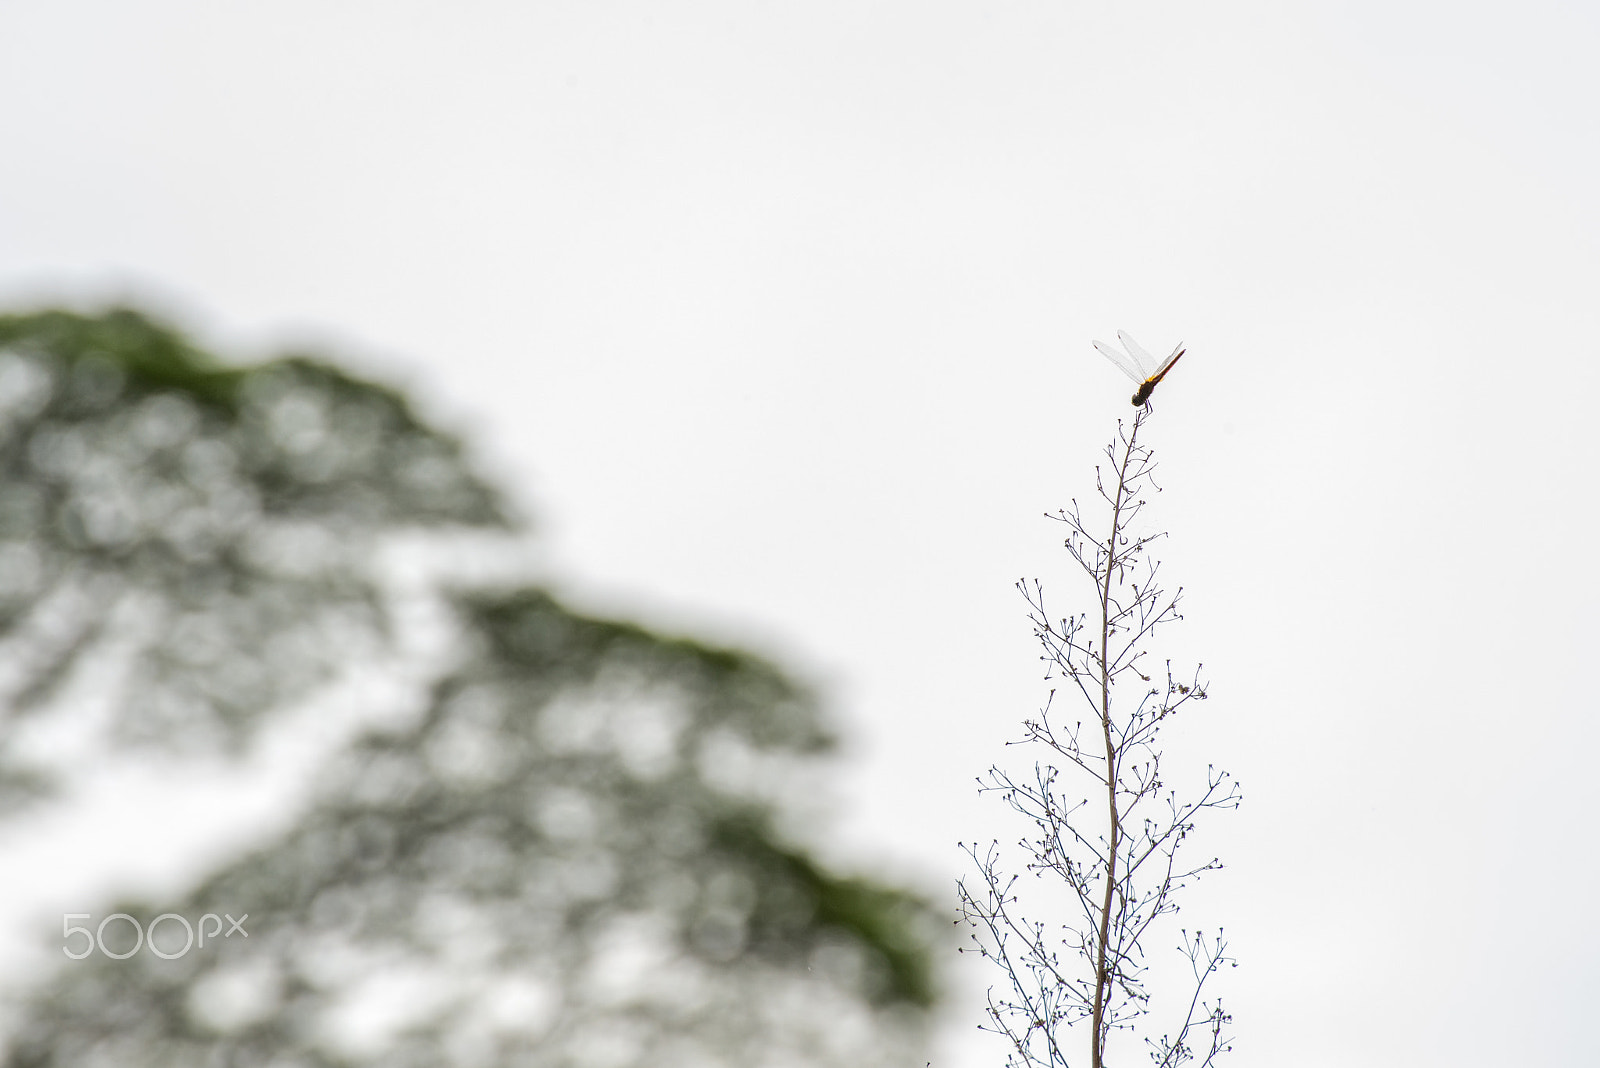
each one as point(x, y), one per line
point(565, 851)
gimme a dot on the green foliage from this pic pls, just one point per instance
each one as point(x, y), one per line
point(892, 922)
point(567, 848)
point(208, 530)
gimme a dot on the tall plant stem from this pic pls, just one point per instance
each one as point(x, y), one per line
point(1102, 989)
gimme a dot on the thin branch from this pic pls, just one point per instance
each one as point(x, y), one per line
point(1124, 874)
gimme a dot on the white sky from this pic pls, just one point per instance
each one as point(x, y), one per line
point(779, 316)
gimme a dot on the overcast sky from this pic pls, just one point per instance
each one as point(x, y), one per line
point(778, 318)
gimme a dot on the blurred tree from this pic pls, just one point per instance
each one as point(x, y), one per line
point(565, 855)
point(202, 533)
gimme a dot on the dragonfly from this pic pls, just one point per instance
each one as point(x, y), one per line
point(1139, 365)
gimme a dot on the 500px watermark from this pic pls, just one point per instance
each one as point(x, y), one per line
point(96, 939)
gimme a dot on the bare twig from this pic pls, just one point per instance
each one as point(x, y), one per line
point(1121, 868)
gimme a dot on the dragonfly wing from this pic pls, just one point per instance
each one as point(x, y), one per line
point(1141, 358)
point(1123, 363)
point(1166, 364)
